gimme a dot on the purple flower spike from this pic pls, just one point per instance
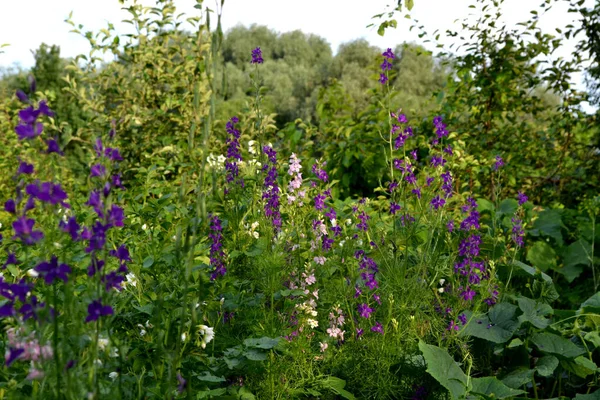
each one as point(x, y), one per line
point(522, 198)
point(364, 310)
point(97, 310)
point(257, 56)
point(98, 170)
point(498, 163)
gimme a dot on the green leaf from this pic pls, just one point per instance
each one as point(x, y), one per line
point(508, 206)
point(542, 256)
point(484, 205)
point(546, 365)
point(518, 378)
point(498, 326)
point(255, 355)
point(409, 4)
point(534, 312)
point(515, 343)
point(531, 271)
point(591, 396)
point(262, 343)
point(491, 387)
point(593, 337)
point(581, 366)
point(148, 261)
point(337, 385)
point(551, 343)
point(444, 369)
point(591, 305)
point(549, 223)
point(208, 377)
point(576, 256)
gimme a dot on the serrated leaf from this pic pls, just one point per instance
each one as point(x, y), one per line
point(491, 387)
point(444, 369)
point(551, 343)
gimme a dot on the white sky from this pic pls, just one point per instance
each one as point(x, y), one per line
point(25, 24)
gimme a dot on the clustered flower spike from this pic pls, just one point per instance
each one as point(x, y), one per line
point(271, 189)
point(386, 65)
point(217, 255)
point(257, 56)
point(233, 152)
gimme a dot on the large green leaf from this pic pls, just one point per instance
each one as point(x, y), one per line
point(591, 305)
point(508, 206)
point(534, 312)
point(546, 365)
point(497, 326)
point(337, 385)
point(262, 343)
point(491, 387)
point(444, 369)
point(549, 223)
point(554, 344)
point(591, 396)
point(542, 255)
point(518, 377)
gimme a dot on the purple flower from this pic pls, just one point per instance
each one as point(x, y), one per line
point(394, 207)
point(122, 254)
point(388, 54)
point(112, 280)
point(383, 78)
point(95, 201)
point(450, 226)
point(257, 56)
point(116, 216)
point(11, 260)
point(437, 160)
point(116, 181)
point(52, 270)
point(10, 206)
point(498, 163)
point(24, 230)
point(95, 266)
point(97, 170)
point(12, 355)
point(44, 109)
point(320, 173)
point(468, 294)
point(362, 225)
point(182, 383)
point(386, 65)
point(437, 202)
point(320, 202)
point(47, 192)
point(377, 328)
point(522, 198)
point(517, 232)
point(364, 310)
point(7, 310)
point(463, 319)
point(53, 147)
point(113, 154)
point(25, 168)
point(217, 255)
point(22, 96)
point(233, 150)
point(469, 247)
point(453, 326)
point(71, 227)
point(97, 310)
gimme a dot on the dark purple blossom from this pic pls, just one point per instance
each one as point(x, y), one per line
point(463, 319)
point(517, 232)
point(364, 310)
point(217, 255)
point(499, 163)
point(23, 227)
point(25, 168)
point(377, 328)
point(388, 54)
point(97, 310)
point(437, 202)
point(53, 147)
point(257, 56)
point(394, 207)
point(23, 98)
point(522, 198)
point(116, 215)
point(52, 271)
point(12, 355)
point(10, 206)
point(97, 170)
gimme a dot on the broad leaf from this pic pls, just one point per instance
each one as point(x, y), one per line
point(542, 256)
point(498, 326)
point(551, 343)
point(489, 386)
point(534, 312)
point(444, 369)
point(546, 365)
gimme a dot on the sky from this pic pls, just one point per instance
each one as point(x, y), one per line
point(338, 21)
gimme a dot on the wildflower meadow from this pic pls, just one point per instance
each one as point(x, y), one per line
point(242, 215)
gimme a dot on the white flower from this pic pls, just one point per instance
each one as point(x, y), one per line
point(442, 281)
point(33, 273)
point(255, 234)
point(102, 343)
point(312, 323)
point(254, 225)
point(131, 280)
point(183, 336)
point(149, 325)
point(57, 245)
point(441, 290)
point(144, 227)
point(221, 159)
point(323, 346)
point(348, 222)
point(142, 330)
point(251, 147)
point(113, 375)
point(207, 333)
